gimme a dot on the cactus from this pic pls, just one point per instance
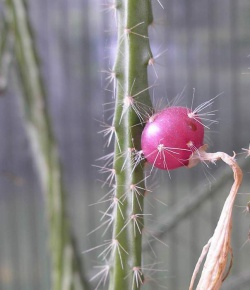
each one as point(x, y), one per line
point(132, 107)
point(66, 267)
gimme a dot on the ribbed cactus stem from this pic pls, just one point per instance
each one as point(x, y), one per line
point(65, 265)
point(132, 105)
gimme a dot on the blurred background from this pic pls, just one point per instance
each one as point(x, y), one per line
point(200, 44)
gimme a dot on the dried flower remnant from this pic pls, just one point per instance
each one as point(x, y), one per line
point(247, 151)
point(218, 249)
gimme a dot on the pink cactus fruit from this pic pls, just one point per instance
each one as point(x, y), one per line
point(171, 136)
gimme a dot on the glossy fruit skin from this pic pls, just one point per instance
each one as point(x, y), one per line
point(170, 137)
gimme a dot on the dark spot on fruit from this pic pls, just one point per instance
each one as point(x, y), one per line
point(192, 126)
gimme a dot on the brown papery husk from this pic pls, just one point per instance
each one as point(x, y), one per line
point(218, 249)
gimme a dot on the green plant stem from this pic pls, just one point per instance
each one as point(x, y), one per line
point(133, 54)
point(6, 51)
point(64, 260)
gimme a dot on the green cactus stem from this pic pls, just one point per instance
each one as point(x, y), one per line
point(66, 268)
point(133, 107)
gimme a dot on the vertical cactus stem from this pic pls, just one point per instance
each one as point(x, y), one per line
point(133, 51)
point(66, 263)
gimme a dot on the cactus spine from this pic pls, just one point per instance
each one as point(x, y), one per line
point(132, 105)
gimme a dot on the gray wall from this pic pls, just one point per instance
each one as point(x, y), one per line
point(207, 43)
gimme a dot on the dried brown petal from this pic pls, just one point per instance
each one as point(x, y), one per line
point(218, 248)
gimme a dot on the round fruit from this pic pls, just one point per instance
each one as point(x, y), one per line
point(171, 136)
